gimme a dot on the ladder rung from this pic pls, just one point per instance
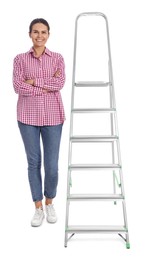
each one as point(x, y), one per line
point(99, 229)
point(92, 84)
point(94, 166)
point(95, 197)
point(93, 138)
point(94, 110)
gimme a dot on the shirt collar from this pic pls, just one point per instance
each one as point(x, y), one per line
point(47, 51)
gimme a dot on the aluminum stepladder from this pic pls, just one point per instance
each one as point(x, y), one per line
point(113, 138)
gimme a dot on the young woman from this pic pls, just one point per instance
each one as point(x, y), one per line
point(38, 77)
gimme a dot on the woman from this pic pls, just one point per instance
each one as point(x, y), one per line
point(38, 77)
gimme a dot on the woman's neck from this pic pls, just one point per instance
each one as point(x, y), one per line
point(38, 51)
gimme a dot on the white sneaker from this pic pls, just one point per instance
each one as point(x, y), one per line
point(37, 218)
point(51, 214)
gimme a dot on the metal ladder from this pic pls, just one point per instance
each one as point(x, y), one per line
point(113, 138)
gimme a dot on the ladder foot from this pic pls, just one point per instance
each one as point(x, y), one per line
point(128, 245)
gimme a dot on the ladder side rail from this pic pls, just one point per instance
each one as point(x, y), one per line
point(122, 191)
point(125, 222)
point(68, 185)
point(112, 104)
point(70, 133)
point(116, 126)
point(67, 209)
point(110, 65)
point(120, 162)
point(74, 64)
point(112, 126)
point(72, 105)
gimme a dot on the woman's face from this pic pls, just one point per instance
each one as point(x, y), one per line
point(39, 35)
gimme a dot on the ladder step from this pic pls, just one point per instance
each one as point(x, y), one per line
point(95, 197)
point(93, 138)
point(93, 166)
point(99, 229)
point(94, 110)
point(92, 84)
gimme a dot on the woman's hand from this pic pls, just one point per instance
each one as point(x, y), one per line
point(57, 74)
point(30, 81)
point(45, 91)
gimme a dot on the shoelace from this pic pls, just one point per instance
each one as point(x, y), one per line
point(50, 210)
point(37, 213)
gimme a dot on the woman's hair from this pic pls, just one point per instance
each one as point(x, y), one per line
point(38, 20)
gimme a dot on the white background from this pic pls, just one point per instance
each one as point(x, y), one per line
point(126, 24)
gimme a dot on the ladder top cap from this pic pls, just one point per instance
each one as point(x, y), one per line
point(91, 14)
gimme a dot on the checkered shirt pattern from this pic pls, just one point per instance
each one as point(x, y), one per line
point(34, 107)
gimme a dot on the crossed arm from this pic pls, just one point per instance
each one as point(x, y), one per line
point(44, 89)
point(37, 86)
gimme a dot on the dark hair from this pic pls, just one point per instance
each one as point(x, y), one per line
point(38, 20)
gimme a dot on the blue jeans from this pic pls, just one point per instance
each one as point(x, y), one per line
point(51, 136)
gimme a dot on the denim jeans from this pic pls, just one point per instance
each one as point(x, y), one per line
point(51, 136)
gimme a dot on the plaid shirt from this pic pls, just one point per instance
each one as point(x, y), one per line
point(35, 107)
